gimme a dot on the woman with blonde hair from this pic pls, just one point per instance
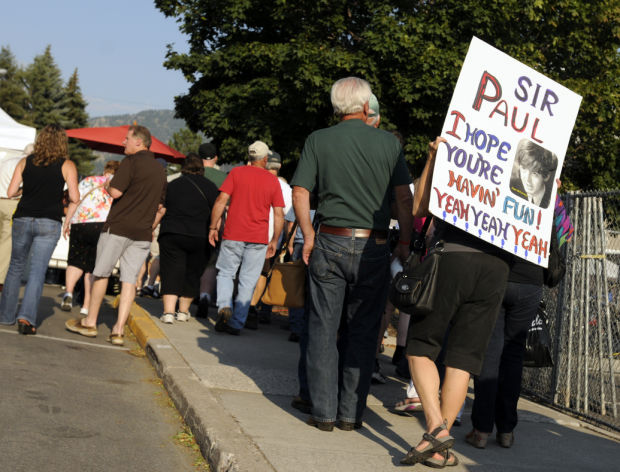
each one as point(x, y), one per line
point(37, 222)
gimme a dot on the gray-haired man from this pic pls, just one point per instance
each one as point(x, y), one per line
point(357, 171)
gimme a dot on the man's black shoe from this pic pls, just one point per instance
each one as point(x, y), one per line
point(251, 321)
point(302, 405)
point(231, 330)
point(322, 425)
point(222, 319)
point(348, 426)
point(293, 337)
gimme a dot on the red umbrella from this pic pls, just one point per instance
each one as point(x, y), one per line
point(111, 140)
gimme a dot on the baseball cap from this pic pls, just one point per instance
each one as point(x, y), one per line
point(274, 157)
point(258, 150)
point(207, 151)
point(373, 106)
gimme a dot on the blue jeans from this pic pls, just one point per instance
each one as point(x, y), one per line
point(348, 280)
point(498, 386)
point(251, 257)
point(37, 238)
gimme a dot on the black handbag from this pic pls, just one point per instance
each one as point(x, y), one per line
point(413, 290)
point(556, 267)
point(538, 341)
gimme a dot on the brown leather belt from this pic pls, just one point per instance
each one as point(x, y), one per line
point(353, 232)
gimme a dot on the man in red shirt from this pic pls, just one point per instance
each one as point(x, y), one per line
point(250, 192)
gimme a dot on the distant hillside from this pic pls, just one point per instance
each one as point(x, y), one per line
point(161, 123)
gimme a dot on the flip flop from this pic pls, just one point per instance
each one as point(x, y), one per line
point(407, 407)
point(116, 339)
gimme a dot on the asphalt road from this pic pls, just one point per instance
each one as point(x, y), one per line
point(70, 403)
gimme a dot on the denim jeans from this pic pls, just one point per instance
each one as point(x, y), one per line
point(498, 386)
point(37, 238)
point(348, 280)
point(249, 259)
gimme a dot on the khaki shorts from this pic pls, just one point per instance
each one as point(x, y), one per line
point(112, 248)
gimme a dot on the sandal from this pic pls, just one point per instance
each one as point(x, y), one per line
point(435, 445)
point(449, 460)
point(24, 327)
point(116, 339)
point(407, 406)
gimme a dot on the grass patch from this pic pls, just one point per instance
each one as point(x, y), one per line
point(186, 439)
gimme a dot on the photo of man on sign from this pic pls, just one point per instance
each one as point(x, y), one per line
point(532, 173)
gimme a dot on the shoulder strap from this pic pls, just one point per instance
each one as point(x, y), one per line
point(280, 256)
point(419, 243)
point(285, 245)
point(88, 193)
point(197, 187)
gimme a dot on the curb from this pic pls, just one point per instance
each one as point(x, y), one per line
point(221, 440)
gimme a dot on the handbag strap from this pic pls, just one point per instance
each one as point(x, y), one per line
point(284, 248)
point(419, 243)
point(88, 193)
point(197, 187)
point(281, 254)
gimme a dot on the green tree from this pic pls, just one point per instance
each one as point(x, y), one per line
point(13, 96)
point(46, 91)
point(186, 141)
point(76, 117)
point(262, 70)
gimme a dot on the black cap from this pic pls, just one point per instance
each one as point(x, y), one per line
point(207, 151)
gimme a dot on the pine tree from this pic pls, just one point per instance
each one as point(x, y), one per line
point(76, 117)
point(74, 103)
point(46, 91)
point(13, 96)
point(186, 141)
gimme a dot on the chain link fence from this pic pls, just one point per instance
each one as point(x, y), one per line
point(584, 316)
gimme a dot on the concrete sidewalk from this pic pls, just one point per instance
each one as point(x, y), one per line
point(235, 394)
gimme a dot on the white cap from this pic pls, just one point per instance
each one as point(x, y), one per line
point(258, 150)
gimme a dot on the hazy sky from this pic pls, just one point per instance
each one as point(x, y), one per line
point(118, 47)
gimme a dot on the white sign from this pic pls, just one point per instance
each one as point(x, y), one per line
point(508, 129)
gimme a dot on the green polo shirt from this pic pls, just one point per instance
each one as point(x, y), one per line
point(215, 176)
point(354, 168)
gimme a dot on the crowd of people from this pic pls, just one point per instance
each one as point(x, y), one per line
point(217, 233)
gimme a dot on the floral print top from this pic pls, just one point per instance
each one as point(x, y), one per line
point(96, 206)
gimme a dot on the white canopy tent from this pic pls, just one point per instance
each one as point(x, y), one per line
point(14, 136)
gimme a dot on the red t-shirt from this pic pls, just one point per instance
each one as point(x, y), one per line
point(252, 191)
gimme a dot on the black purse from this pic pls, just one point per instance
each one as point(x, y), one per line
point(556, 267)
point(538, 341)
point(413, 290)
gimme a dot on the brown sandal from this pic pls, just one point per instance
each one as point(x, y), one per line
point(116, 339)
point(435, 445)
